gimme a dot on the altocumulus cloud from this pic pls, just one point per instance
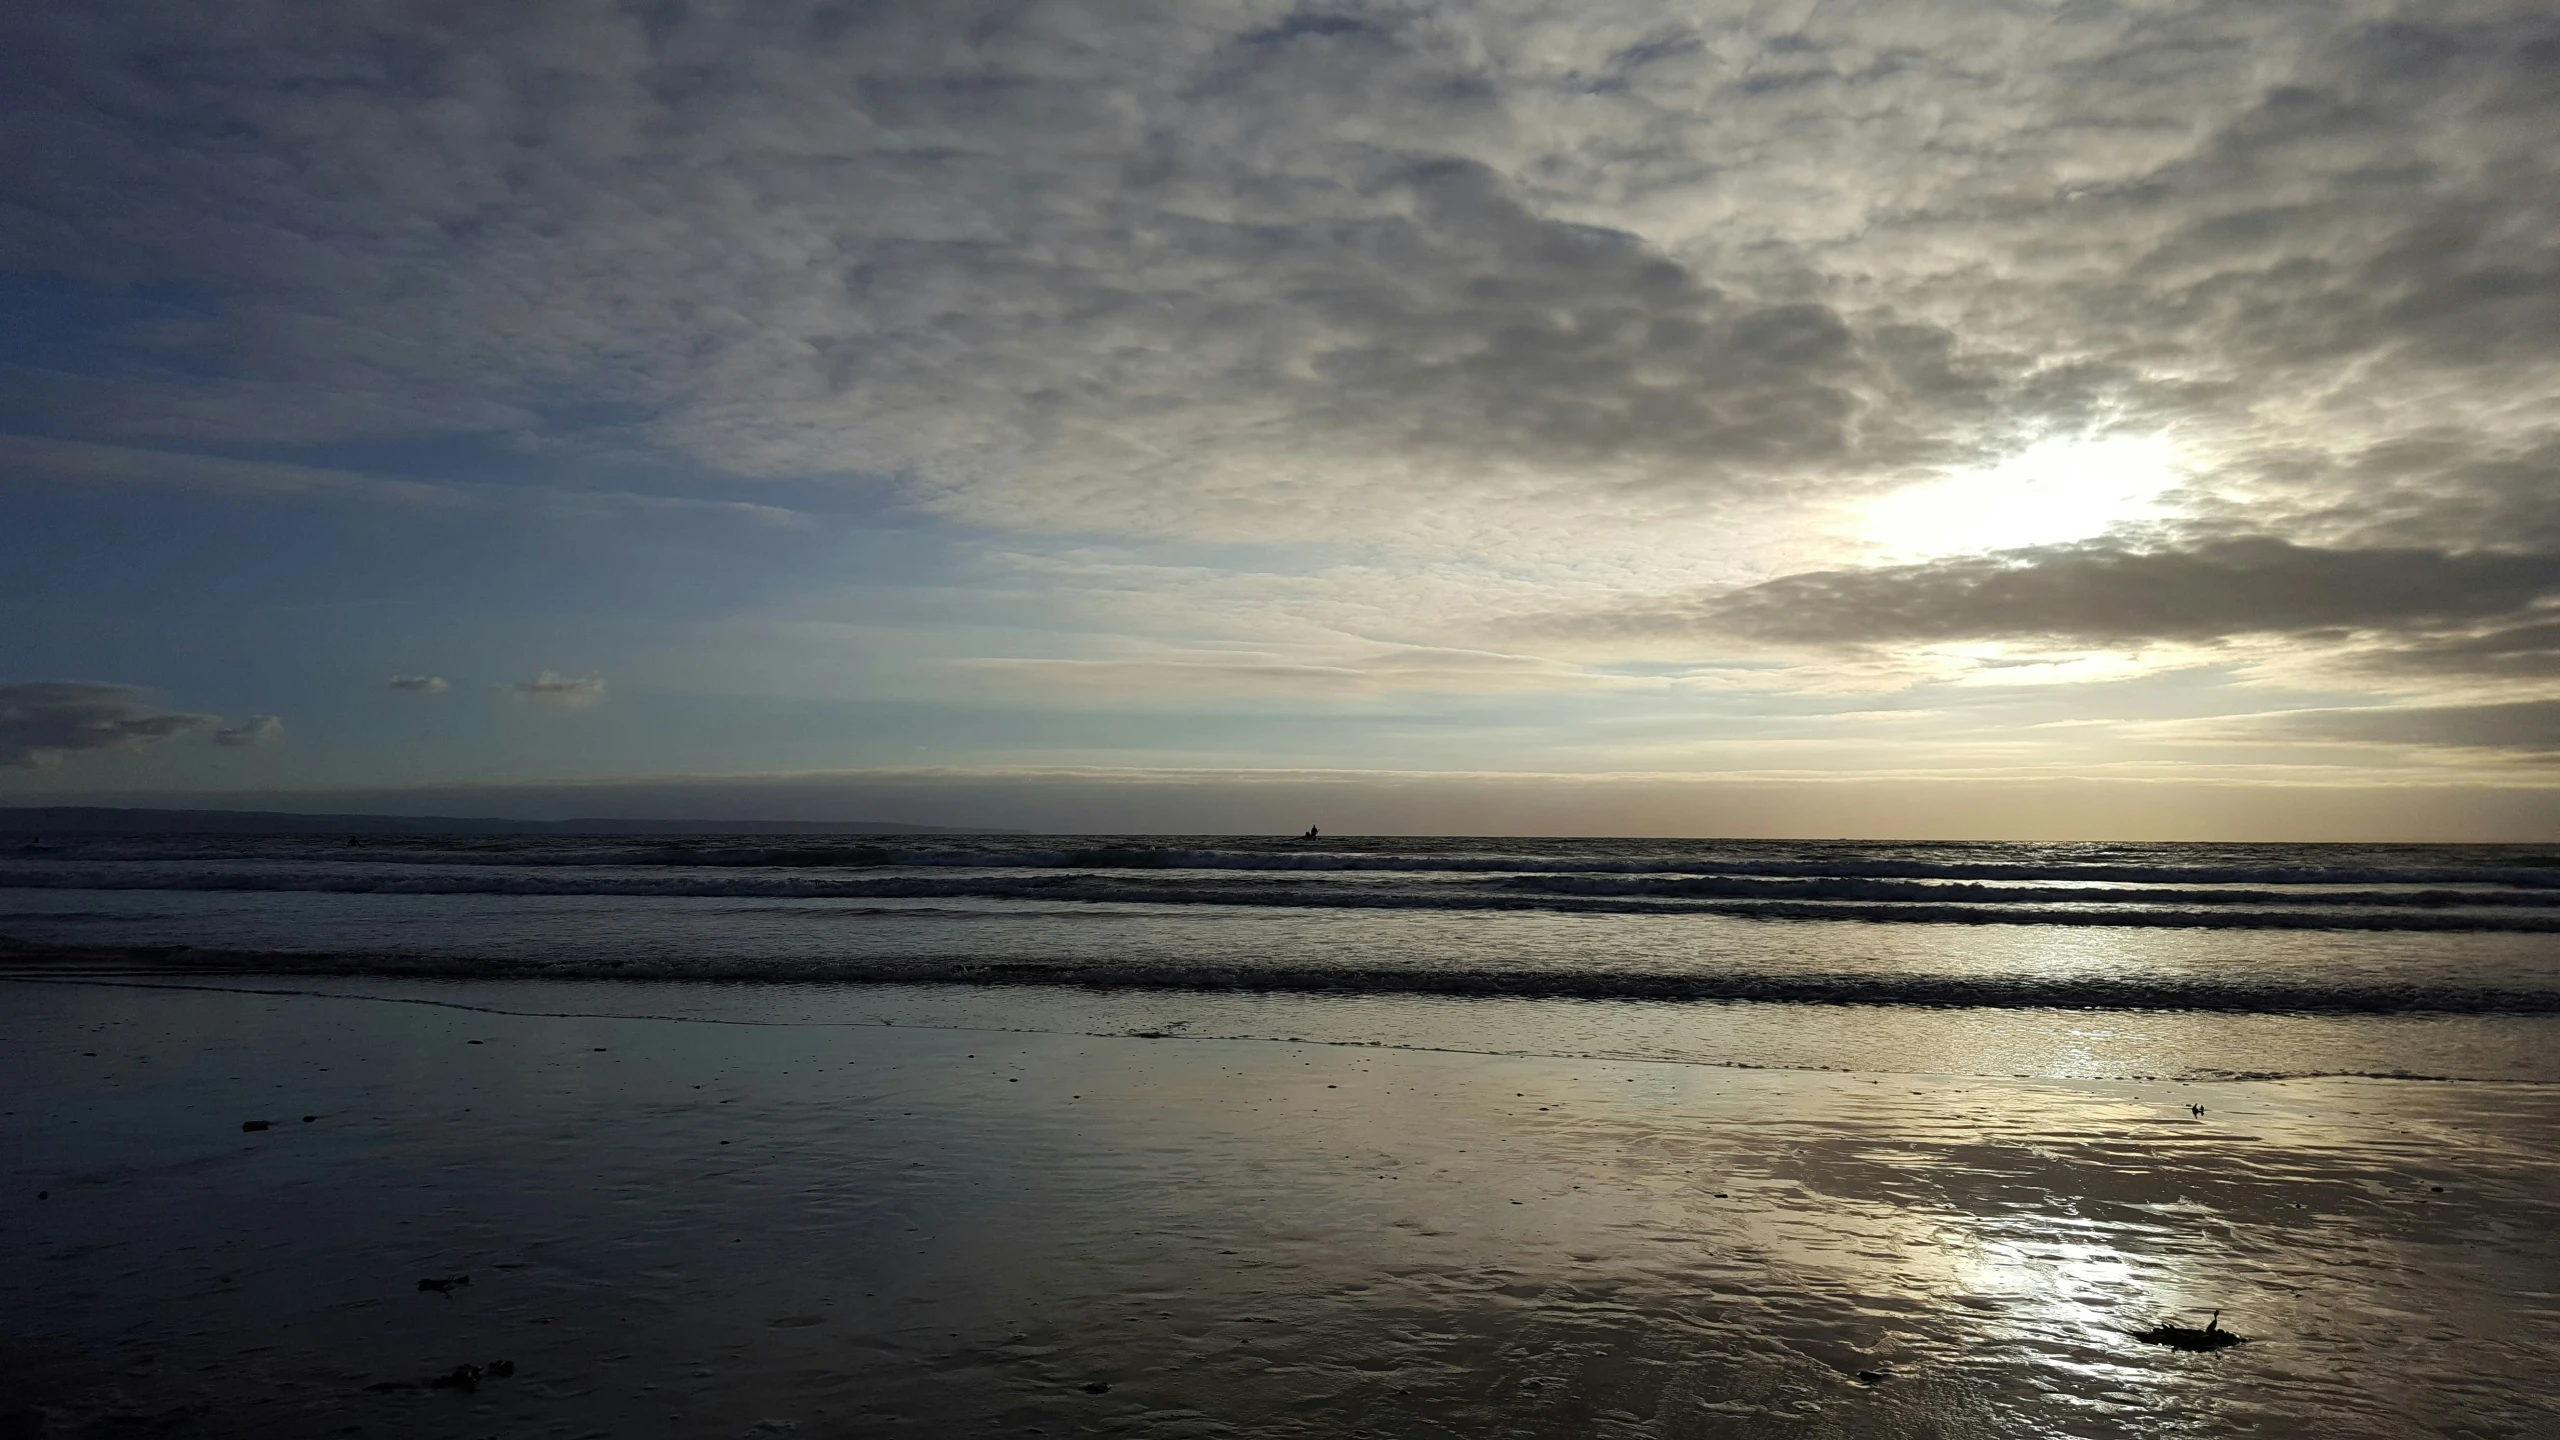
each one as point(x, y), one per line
point(420, 684)
point(43, 721)
point(568, 691)
point(1424, 272)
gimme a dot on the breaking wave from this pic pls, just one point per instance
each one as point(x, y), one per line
point(2152, 992)
point(1832, 898)
point(2545, 876)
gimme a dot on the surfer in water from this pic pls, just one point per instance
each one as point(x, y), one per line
point(1310, 835)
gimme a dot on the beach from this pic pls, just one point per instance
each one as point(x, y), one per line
point(1280, 720)
point(730, 1210)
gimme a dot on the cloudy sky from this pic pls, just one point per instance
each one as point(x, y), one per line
point(1943, 417)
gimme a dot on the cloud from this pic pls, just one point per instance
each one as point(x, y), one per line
point(2106, 594)
point(256, 730)
point(419, 684)
point(43, 721)
point(1421, 273)
point(2531, 726)
point(567, 692)
point(1315, 674)
point(2528, 651)
point(77, 463)
point(1598, 309)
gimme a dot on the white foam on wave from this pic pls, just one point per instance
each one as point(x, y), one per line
point(1836, 900)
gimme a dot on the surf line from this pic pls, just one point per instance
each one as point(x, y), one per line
point(1596, 1057)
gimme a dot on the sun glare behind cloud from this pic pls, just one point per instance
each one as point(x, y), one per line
point(2056, 490)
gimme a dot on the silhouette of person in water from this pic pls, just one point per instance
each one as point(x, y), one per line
point(1310, 835)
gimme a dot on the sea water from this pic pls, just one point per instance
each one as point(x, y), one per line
point(2086, 960)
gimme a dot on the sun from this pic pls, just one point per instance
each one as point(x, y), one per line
point(2058, 489)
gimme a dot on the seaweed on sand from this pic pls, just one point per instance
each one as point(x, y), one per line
point(2182, 1337)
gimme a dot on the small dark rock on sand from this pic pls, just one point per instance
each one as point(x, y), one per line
point(246, 1126)
point(1873, 1377)
point(1097, 1387)
point(467, 1378)
point(443, 1284)
point(2182, 1337)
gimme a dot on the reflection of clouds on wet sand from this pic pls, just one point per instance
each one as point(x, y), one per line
point(884, 1229)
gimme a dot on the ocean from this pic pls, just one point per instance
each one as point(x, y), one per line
point(2452, 952)
point(1311, 1136)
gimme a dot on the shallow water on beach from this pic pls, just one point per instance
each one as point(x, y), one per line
point(767, 1207)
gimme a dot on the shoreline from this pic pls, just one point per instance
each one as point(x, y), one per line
point(188, 981)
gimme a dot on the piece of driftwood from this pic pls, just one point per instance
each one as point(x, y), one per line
point(2182, 1337)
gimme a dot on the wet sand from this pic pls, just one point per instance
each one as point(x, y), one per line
point(675, 1227)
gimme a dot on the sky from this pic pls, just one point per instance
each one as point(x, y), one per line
point(1940, 418)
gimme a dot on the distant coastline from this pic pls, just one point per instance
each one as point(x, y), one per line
point(111, 820)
